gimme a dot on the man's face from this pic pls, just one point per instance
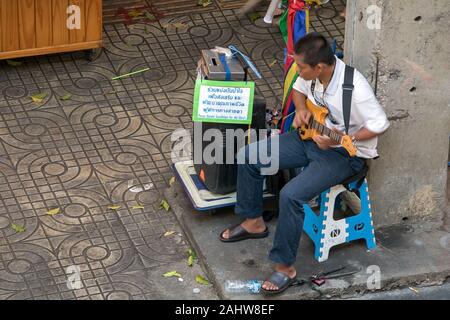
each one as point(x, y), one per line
point(306, 71)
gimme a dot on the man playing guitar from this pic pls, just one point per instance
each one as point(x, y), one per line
point(325, 163)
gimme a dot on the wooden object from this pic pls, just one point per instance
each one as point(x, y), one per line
point(37, 27)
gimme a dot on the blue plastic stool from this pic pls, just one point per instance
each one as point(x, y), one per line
point(326, 232)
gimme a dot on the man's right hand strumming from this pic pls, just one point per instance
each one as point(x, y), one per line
point(301, 116)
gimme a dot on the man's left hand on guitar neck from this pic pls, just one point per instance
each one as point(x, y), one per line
point(324, 142)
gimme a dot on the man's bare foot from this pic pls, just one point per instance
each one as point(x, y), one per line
point(287, 270)
point(250, 225)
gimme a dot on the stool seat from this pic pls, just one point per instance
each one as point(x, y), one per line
point(326, 232)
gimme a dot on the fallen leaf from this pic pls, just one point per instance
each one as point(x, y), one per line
point(53, 211)
point(172, 181)
point(39, 97)
point(204, 3)
point(165, 205)
point(254, 16)
point(113, 207)
point(180, 25)
point(190, 261)
point(66, 97)
point(272, 63)
point(138, 207)
point(192, 253)
point(169, 233)
point(201, 280)
point(17, 228)
point(13, 63)
point(147, 30)
point(130, 74)
point(171, 274)
point(149, 16)
point(135, 13)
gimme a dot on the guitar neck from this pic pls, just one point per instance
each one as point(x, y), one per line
point(323, 130)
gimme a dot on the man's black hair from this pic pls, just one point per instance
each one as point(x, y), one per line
point(315, 49)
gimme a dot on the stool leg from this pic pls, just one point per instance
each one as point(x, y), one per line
point(320, 254)
point(361, 225)
point(370, 240)
point(333, 232)
point(323, 254)
point(371, 243)
point(313, 228)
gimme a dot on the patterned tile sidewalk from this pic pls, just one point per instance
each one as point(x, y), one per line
point(110, 144)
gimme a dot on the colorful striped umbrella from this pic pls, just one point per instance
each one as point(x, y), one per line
point(294, 24)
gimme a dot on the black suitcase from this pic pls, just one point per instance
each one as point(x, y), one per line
point(222, 178)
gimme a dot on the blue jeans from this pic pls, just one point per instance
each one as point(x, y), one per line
point(322, 169)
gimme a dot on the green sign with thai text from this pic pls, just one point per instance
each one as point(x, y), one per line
point(223, 101)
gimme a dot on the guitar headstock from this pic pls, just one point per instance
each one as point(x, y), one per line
point(349, 145)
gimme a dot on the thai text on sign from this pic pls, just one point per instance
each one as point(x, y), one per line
point(223, 101)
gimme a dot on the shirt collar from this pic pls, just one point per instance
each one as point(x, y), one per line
point(335, 81)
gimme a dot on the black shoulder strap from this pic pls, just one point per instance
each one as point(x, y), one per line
point(347, 95)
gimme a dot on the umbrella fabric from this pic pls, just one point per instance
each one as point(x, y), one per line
point(293, 26)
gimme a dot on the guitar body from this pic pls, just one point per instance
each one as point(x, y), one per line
point(318, 116)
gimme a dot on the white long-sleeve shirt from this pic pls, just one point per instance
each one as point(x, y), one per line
point(366, 112)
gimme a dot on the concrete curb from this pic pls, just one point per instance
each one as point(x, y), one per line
point(405, 256)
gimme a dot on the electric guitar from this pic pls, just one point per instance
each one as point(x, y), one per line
point(316, 126)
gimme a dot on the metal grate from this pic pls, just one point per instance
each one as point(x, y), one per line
point(230, 4)
point(112, 8)
point(182, 7)
point(185, 7)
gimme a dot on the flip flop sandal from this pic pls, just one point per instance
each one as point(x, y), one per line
point(281, 280)
point(238, 233)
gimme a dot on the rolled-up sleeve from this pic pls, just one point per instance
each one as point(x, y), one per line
point(301, 86)
point(368, 109)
